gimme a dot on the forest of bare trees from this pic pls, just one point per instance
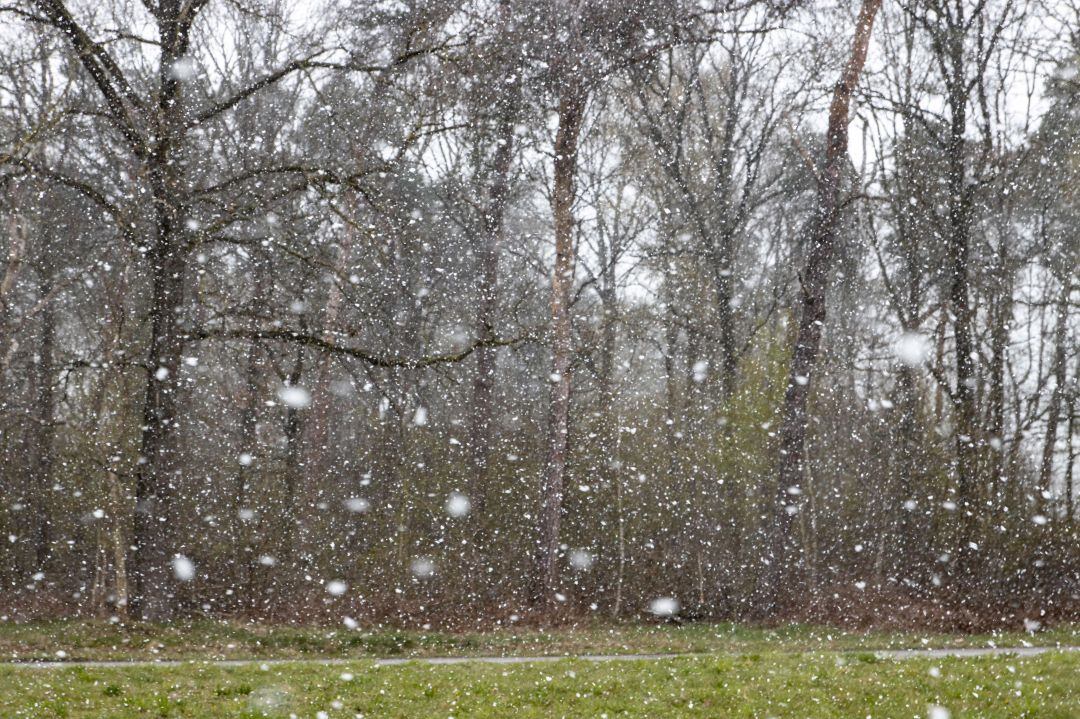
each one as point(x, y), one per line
point(468, 311)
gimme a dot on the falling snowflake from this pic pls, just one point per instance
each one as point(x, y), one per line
point(911, 349)
point(458, 505)
point(422, 568)
point(357, 505)
point(294, 397)
point(581, 559)
point(664, 606)
point(183, 568)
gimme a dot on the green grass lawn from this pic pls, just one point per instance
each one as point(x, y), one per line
point(820, 685)
point(234, 640)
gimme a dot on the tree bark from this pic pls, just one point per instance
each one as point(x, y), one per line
point(16, 251)
point(1070, 459)
point(908, 446)
point(957, 258)
point(480, 431)
point(43, 432)
point(319, 465)
point(1001, 316)
point(1053, 413)
point(154, 537)
point(294, 512)
point(783, 551)
point(151, 566)
point(571, 114)
point(249, 437)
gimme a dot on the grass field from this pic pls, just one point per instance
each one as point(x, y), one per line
point(820, 685)
point(74, 640)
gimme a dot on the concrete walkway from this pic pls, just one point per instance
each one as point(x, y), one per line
point(898, 654)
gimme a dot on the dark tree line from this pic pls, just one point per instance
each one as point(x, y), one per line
point(472, 310)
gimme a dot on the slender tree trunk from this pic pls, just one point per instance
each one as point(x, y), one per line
point(294, 513)
point(908, 450)
point(1070, 460)
point(43, 432)
point(249, 438)
point(318, 465)
point(607, 447)
point(723, 278)
point(620, 548)
point(16, 251)
point(999, 347)
point(571, 114)
point(112, 536)
point(1053, 413)
point(480, 431)
point(671, 391)
point(910, 439)
point(121, 593)
point(783, 552)
point(958, 259)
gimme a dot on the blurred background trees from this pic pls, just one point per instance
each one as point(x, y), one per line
point(480, 309)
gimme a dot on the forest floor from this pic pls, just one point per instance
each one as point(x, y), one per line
point(818, 684)
point(82, 640)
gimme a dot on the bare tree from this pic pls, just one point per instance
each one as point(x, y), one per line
point(783, 550)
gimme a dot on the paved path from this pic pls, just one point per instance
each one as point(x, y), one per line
point(389, 662)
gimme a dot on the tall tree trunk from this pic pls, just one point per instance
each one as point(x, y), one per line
point(607, 444)
point(671, 391)
point(723, 278)
point(1070, 458)
point(110, 420)
point(318, 467)
point(16, 255)
point(908, 445)
point(957, 258)
point(480, 431)
point(43, 432)
point(294, 513)
point(783, 550)
point(249, 438)
point(999, 347)
point(1053, 413)
point(571, 114)
point(156, 477)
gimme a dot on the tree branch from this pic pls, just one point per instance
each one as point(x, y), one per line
point(386, 361)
